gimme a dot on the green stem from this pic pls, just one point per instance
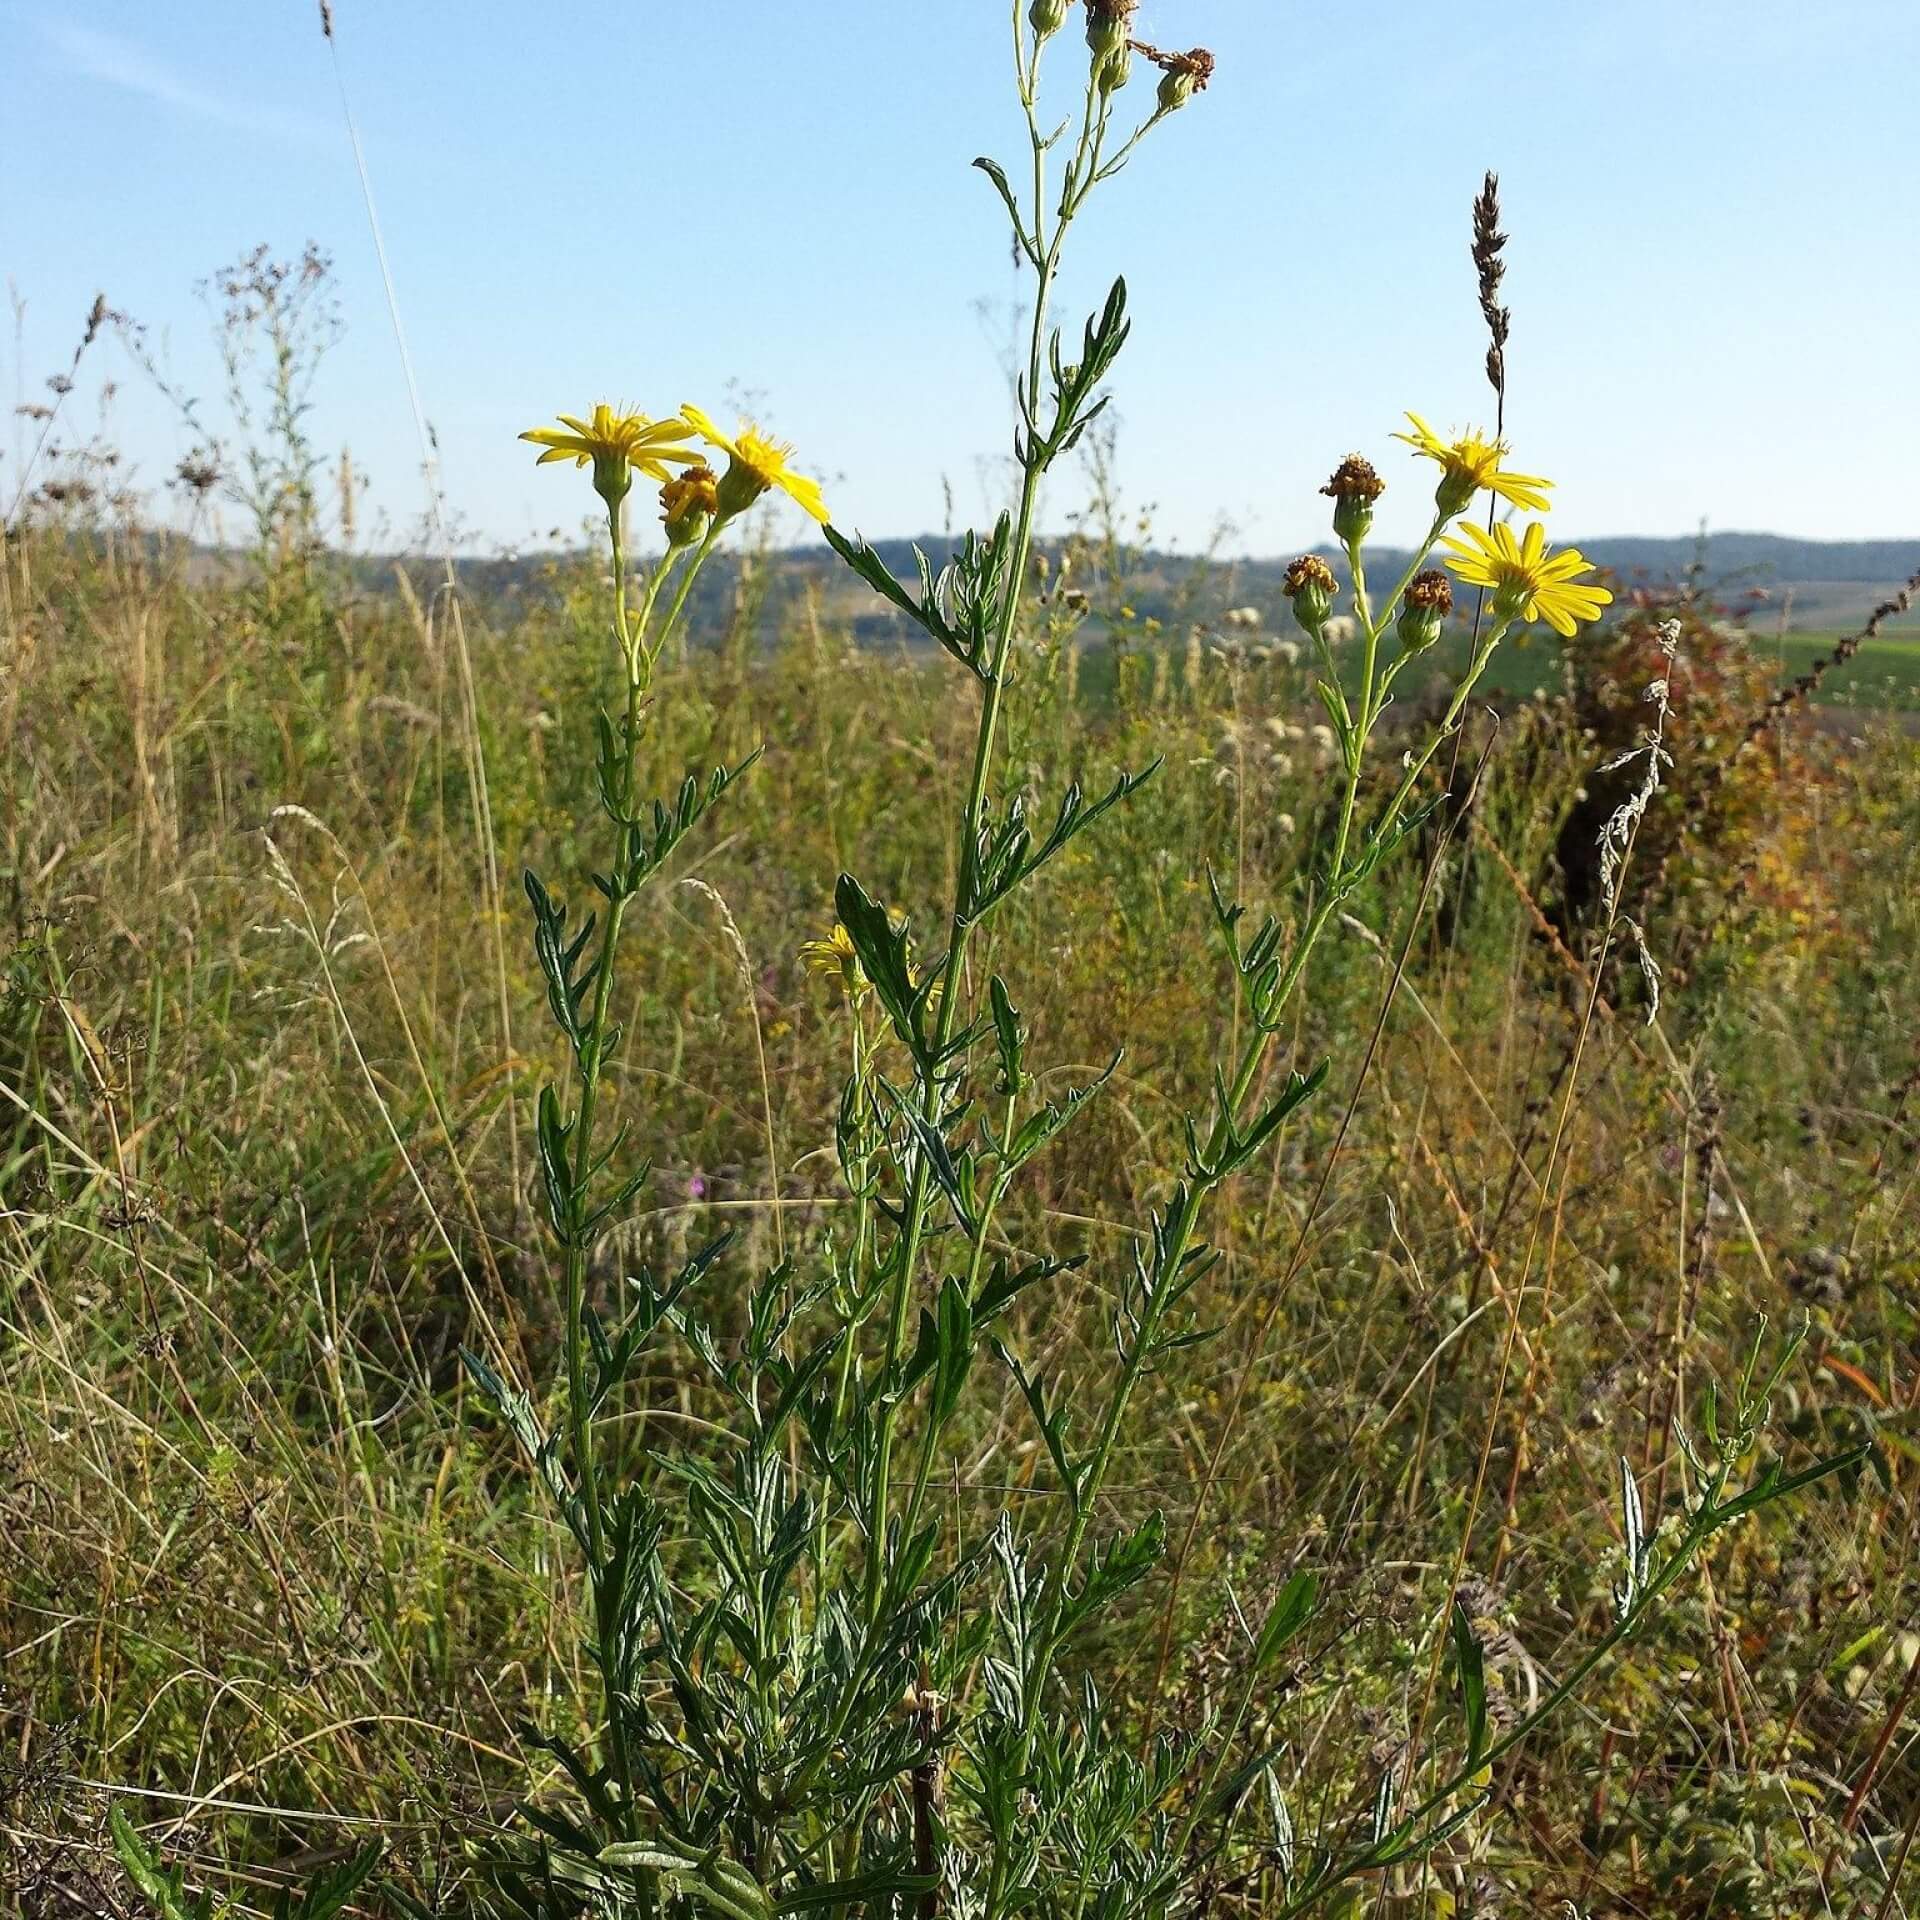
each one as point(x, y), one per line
point(638, 664)
point(1046, 259)
point(679, 605)
point(589, 1062)
point(913, 1227)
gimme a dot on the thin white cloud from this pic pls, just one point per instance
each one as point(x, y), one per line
point(113, 61)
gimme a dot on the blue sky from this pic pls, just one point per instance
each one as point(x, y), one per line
point(1712, 204)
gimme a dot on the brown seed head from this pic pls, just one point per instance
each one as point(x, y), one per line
point(1431, 592)
point(1354, 479)
point(197, 473)
point(1309, 571)
point(1196, 64)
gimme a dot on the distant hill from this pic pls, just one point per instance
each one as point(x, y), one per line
point(1814, 585)
point(1782, 582)
point(1776, 558)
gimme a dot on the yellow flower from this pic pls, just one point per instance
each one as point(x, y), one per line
point(1526, 581)
point(756, 464)
point(835, 955)
point(614, 444)
point(1471, 463)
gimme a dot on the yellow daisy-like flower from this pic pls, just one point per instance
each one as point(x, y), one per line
point(756, 465)
point(835, 955)
point(1471, 463)
point(1526, 581)
point(613, 444)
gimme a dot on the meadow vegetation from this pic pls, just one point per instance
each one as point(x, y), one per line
point(1160, 1289)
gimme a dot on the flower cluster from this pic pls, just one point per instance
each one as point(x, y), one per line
point(1527, 580)
point(694, 502)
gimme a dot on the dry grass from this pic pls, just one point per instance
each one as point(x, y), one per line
point(268, 1571)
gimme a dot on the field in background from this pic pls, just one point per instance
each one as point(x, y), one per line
point(1883, 677)
point(270, 1023)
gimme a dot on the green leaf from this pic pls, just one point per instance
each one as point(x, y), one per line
point(1008, 858)
point(1039, 1130)
point(165, 1889)
point(882, 948)
point(1393, 1852)
point(1238, 1144)
point(953, 1177)
point(1127, 1561)
point(1288, 1614)
point(559, 958)
point(331, 1888)
point(1383, 1802)
point(1470, 1658)
point(1010, 1037)
point(961, 608)
point(646, 841)
point(1051, 1421)
point(881, 1884)
point(998, 175)
point(1626, 1592)
point(1282, 1819)
point(954, 1354)
point(1774, 1485)
point(1073, 386)
point(551, 1132)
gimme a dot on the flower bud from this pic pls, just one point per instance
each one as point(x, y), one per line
point(1107, 22)
point(1310, 585)
point(1424, 610)
point(1047, 17)
point(688, 503)
point(1112, 71)
point(1353, 490)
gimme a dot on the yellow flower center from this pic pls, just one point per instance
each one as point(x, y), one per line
point(1474, 459)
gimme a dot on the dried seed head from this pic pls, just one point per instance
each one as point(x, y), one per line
point(1353, 490)
point(1182, 75)
point(1310, 585)
point(1309, 570)
point(198, 472)
point(1424, 610)
point(1354, 479)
